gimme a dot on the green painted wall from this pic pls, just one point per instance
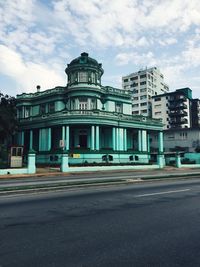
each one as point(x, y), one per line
point(45, 139)
point(35, 110)
point(192, 157)
point(59, 105)
point(110, 106)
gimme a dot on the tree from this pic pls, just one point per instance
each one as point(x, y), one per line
point(8, 120)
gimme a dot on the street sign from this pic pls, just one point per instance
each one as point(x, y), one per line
point(62, 143)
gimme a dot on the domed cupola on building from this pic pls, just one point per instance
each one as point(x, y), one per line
point(84, 69)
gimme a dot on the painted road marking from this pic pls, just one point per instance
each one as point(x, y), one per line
point(163, 193)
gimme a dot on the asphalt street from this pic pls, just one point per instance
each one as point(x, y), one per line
point(148, 224)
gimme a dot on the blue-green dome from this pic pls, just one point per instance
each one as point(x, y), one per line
point(84, 59)
point(85, 66)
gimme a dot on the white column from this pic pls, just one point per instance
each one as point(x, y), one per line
point(125, 139)
point(117, 138)
point(97, 137)
point(121, 138)
point(49, 139)
point(114, 137)
point(92, 137)
point(160, 142)
point(67, 138)
point(148, 142)
point(139, 140)
point(144, 140)
point(63, 132)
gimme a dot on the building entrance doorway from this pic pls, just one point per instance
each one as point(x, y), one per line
point(83, 141)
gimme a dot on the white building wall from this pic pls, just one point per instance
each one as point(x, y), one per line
point(179, 140)
point(144, 84)
point(127, 109)
point(160, 110)
point(99, 104)
point(188, 117)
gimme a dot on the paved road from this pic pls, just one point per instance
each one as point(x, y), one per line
point(150, 224)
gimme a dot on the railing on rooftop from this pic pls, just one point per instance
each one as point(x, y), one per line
point(42, 93)
point(92, 114)
point(103, 89)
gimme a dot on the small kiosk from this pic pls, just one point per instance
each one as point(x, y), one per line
point(16, 156)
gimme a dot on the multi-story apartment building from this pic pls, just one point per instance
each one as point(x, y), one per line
point(143, 85)
point(195, 111)
point(174, 108)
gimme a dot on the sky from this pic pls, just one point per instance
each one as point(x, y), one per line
point(38, 38)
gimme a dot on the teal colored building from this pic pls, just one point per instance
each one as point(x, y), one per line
point(92, 122)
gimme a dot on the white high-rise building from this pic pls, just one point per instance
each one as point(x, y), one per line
point(144, 84)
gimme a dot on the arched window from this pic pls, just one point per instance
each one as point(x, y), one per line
point(93, 103)
point(73, 104)
point(93, 77)
point(83, 76)
point(83, 103)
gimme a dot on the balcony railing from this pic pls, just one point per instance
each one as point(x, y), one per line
point(42, 93)
point(184, 121)
point(177, 105)
point(178, 99)
point(91, 113)
point(102, 89)
point(180, 113)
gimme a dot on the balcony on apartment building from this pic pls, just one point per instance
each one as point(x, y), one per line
point(178, 98)
point(178, 113)
point(179, 122)
point(176, 105)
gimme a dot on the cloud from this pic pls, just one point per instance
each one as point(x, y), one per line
point(28, 74)
point(41, 35)
point(168, 41)
point(112, 22)
point(140, 59)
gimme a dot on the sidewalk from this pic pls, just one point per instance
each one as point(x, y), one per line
point(55, 172)
point(52, 180)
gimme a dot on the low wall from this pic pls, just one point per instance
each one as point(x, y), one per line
point(193, 156)
point(31, 168)
point(107, 168)
point(14, 171)
point(190, 165)
point(80, 158)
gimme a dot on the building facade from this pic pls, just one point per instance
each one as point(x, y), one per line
point(93, 123)
point(174, 108)
point(143, 85)
point(195, 112)
point(180, 140)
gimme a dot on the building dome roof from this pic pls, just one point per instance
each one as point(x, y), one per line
point(84, 66)
point(84, 59)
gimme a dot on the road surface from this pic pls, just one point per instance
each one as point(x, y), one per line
point(149, 224)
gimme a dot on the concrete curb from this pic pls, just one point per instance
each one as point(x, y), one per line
point(57, 173)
